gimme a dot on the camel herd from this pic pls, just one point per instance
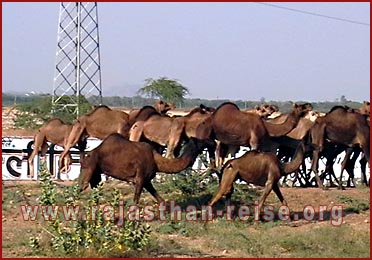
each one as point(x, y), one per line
point(133, 143)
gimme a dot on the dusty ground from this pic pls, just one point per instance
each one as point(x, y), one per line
point(15, 231)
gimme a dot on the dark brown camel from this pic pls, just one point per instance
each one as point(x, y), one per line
point(56, 132)
point(262, 169)
point(99, 123)
point(341, 127)
point(135, 162)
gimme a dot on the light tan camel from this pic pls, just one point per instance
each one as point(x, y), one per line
point(55, 132)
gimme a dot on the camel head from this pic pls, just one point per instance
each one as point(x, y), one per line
point(312, 115)
point(265, 110)
point(302, 109)
point(365, 108)
point(163, 107)
point(207, 110)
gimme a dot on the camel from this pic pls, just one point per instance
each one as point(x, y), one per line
point(341, 127)
point(262, 169)
point(160, 106)
point(264, 110)
point(232, 127)
point(135, 162)
point(56, 132)
point(169, 131)
point(99, 123)
point(160, 130)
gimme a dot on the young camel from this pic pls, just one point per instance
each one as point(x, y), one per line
point(56, 132)
point(135, 162)
point(262, 169)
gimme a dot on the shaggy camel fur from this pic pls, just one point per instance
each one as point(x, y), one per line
point(262, 169)
point(342, 127)
point(134, 162)
point(55, 132)
point(99, 123)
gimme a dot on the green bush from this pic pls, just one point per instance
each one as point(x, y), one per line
point(93, 233)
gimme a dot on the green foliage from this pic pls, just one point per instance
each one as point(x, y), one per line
point(48, 187)
point(35, 113)
point(166, 89)
point(93, 232)
point(354, 205)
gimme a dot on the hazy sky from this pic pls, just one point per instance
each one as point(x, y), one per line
point(217, 50)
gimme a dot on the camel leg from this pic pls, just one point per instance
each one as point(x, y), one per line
point(136, 131)
point(228, 178)
point(348, 153)
point(349, 166)
point(150, 188)
point(211, 147)
point(39, 141)
point(279, 194)
point(73, 138)
point(219, 154)
point(363, 164)
point(268, 187)
point(315, 165)
point(138, 189)
point(228, 196)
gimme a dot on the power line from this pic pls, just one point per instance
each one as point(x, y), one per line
point(315, 14)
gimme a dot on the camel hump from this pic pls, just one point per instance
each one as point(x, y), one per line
point(345, 108)
point(145, 113)
point(227, 104)
point(100, 107)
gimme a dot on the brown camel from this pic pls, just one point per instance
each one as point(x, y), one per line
point(99, 123)
point(55, 132)
point(168, 131)
point(160, 106)
point(262, 169)
point(135, 162)
point(233, 127)
point(341, 127)
point(263, 110)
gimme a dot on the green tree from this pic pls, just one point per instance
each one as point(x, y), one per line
point(34, 114)
point(169, 90)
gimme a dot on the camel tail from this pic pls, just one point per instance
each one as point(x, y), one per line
point(296, 162)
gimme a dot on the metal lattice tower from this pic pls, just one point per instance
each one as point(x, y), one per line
point(78, 70)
